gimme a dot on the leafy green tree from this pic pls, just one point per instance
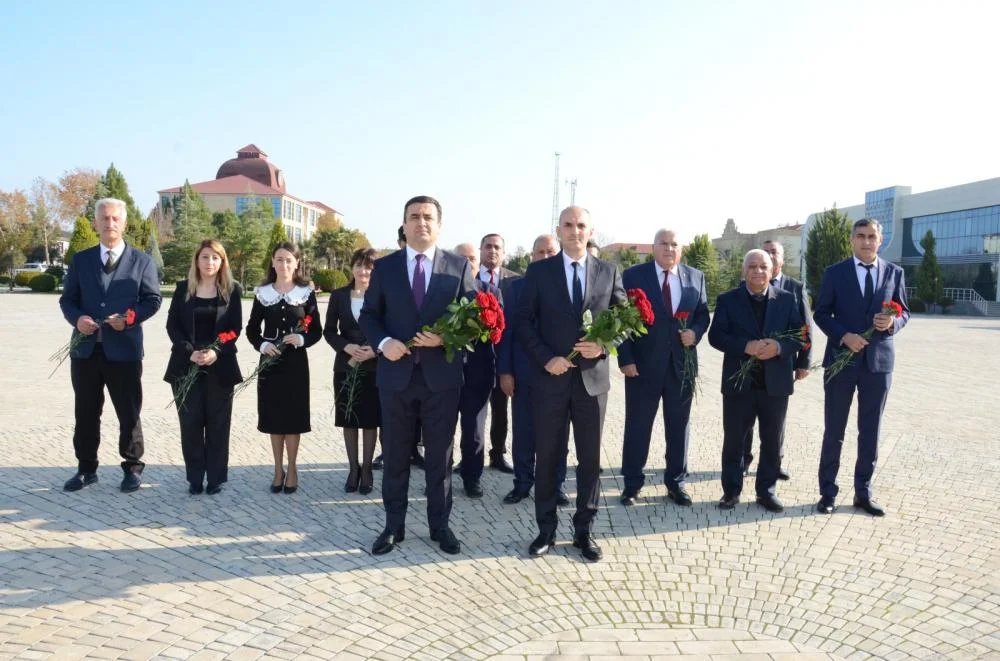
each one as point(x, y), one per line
point(518, 262)
point(930, 284)
point(828, 242)
point(192, 224)
point(83, 237)
point(626, 257)
point(278, 235)
point(337, 245)
point(224, 224)
point(113, 184)
point(731, 268)
point(701, 254)
point(153, 250)
point(246, 242)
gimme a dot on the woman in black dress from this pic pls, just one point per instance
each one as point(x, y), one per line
point(354, 372)
point(280, 308)
point(205, 305)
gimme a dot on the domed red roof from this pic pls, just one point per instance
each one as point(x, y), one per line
point(252, 163)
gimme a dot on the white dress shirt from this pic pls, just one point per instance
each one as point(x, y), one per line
point(581, 270)
point(675, 284)
point(484, 275)
point(861, 273)
point(116, 251)
point(411, 264)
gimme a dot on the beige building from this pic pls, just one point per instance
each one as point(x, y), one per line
point(241, 181)
point(789, 236)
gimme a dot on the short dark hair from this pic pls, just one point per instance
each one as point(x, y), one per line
point(401, 235)
point(867, 222)
point(486, 236)
point(422, 199)
point(297, 278)
point(592, 244)
point(364, 257)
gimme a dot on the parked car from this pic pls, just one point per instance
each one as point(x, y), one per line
point(32, 267)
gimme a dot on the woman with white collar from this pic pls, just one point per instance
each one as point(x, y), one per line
point(275, 329)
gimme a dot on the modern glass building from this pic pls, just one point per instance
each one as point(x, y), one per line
point(965, 221)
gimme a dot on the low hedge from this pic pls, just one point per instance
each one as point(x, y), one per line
point(24, 278)
point(43, 282)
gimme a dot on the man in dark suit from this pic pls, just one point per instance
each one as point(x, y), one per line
point(492, 272)
point(556, 293)
point(850, 301)
point(653, 365)
point(409, 289)
point(103, 283)
point(480, 377)
point(802, 356)
point(516, 375)
point(746, 321)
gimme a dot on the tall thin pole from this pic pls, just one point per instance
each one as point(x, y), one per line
point(555, 195)
point(572, 191)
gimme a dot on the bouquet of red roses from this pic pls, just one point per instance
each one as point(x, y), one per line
point(67, 349)
point(746, 368)
point(845, 356)
point(184, 384)
point(618, 323)
point(268, 361)
point(467, 321)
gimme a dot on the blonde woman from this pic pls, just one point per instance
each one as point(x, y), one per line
point(205, 305)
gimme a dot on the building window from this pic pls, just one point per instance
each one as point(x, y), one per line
point(276, 206)
point(298, 212)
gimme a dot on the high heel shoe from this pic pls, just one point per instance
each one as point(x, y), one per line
point(352, 479)
point(291, 489)
point(276, 488)
point(367, 480)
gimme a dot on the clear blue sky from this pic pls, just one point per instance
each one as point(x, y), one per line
point(675, 114)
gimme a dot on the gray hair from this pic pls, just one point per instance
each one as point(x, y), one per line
point(756, 251)
point(113, 201)
point(867, 222)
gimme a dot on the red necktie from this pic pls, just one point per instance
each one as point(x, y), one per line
point(491, 278)
point(667, 300)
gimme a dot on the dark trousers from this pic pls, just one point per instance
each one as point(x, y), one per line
point(498, 423)
point(523, 443)
point(739, 412)
point(90, 376)
point(205, 418)
point(873, 391)
point(748, 448)
point(472, 423)
point(642, 398)
point(554, 411)
point(437, 413)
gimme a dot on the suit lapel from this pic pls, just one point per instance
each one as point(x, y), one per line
point(751, 318)
point(434, 288)
point(654, 292)
point(403, 275)
point(588, 296)
point(559, 277)
point(768, 310)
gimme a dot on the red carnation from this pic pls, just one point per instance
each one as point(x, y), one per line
point(306, 320)
point(681, 315)
point(129, 317)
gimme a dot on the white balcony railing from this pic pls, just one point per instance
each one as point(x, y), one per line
point(960, 295)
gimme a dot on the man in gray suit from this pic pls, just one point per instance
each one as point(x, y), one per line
point(409, 289)
point(102, 285)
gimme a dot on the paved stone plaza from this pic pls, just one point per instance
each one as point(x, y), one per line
point(247, 574)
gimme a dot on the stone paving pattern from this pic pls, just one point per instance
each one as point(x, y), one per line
point(247, 574)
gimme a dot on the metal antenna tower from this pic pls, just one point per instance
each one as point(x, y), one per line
point(555, 196)
point(572, 191)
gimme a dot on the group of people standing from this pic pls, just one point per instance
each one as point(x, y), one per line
point(392, 376)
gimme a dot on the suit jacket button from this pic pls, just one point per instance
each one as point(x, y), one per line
point(102, 305)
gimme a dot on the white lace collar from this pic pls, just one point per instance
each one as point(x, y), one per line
point(268, 295)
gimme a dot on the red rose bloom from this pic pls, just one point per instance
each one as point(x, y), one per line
point(483, 300)
point(495, 336)
point(130, 317)
point(681, 316)
point(489, 317)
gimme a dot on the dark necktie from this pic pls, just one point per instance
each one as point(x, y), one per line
point(869, 285)
point(577, 291)
point(491, 278)
point(668, 301)
point(109, 266)
point(419, 283)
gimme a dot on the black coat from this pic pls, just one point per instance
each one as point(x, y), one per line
point(341, 328)
point(180, 330)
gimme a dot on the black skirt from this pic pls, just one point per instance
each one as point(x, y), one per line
point(365, 410)
point(283, 395)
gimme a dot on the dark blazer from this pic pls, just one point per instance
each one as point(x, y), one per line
point(134, 285)
point(341, 327)
point(180, 330)
point(734, 324)
point(547, 326)
point(389, 312)
point(511, 356)
point(840, 309)
point(480, 364)
point(648, 352)
point(795, 288)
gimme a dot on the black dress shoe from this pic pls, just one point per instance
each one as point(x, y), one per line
point(79, 481)
point(782, 475)
point(377, 463)
point(195, 488)
point(417, 459)
point(541, 545)
point(825, 505)
point(629, 496)
point(213, 489)
point(679, 496)
point(387, 541)
point(770, 502)
point(474, 489)
point(562, 500)
point(353, 477)
point(276, 488)
point(515, 496)
point(869, 505)
point(588, 546)
point(131, 482)
point(728, 502)
point(446, 540)
point(501, 464)
point(367, 481)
